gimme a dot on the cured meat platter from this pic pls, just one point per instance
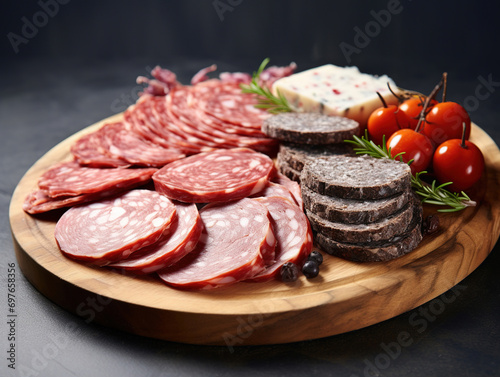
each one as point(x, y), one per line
point(345, 296)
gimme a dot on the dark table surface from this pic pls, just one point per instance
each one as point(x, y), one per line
point(44, 101)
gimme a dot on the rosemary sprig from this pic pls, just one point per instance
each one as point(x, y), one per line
point(438, 195)
point(267, 100)
point(429, 193)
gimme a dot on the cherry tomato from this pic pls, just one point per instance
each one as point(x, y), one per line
point(462, 164)
point(386, 121)
point(412, 107)
point(417, 147)
point(444, 122)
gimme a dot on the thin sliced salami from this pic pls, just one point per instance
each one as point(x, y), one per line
point(137, 151)
point(232, 106)
point(112, 229)
point(219, 176)
point(275, 190)
point(292, 186)
point(231, 248)
point(89, 150)
point(38, 201)
point(181, 239)
point(293, 235)
point(71, 179)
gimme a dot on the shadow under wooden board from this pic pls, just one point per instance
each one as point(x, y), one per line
point(345, 296)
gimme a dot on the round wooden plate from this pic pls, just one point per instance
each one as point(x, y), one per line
point(345, 296)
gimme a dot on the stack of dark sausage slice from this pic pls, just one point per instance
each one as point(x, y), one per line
point(361, 208)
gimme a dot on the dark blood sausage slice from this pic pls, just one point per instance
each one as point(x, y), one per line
point(112, 229)
point(128, 146)
point(353, 211)
point(380, 230)
point(361, 177)
point(294, 239)
point(397, 246)
point(181, 239)
point(219, 176)
point(296, 155)
point(309, 128)
point(236, 239)
point(287, 171)
point(71, 179)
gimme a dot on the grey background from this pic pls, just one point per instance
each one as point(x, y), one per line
point(80, 67)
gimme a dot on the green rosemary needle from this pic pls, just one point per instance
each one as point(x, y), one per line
point(274, 104)
point(429, 193)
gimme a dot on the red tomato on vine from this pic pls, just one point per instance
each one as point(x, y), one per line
point(444, 122)
point(385, 121)
point(416, 147)
point(412, 107)
point(458, 161)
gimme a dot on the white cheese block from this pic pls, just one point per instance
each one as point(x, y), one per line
point(333, 90)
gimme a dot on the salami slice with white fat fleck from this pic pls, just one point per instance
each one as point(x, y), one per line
point(292, 186)
point(71, 179)
point(130, 147)
point(181, 239)
point(275, 190)
point(233, 245)
point(293, 235)
point(233, 106)
point(219, 176)
point(89, 150)
point(112, 229)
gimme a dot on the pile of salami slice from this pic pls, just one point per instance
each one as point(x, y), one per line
point(182, 186)
point(215, 218)
point(168, 122)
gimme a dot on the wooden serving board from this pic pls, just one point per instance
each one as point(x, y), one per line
point(345, 296)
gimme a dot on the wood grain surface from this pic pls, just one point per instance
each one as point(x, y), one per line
point(345, 296)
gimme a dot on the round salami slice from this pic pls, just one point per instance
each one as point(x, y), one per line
point(292, 186)
point(180, 240)
point(208, 98)
point(275, 190)
point(219, 176)
point(71, 179)
point(90, 150)
point(112, 229)
point(310, 128)
point(232, 106)
point(294, 238)
point(233, 245)
point(136, 150)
